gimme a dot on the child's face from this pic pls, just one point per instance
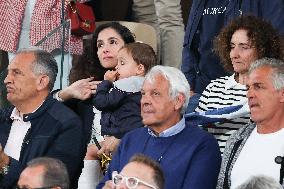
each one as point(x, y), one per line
point(126, 66)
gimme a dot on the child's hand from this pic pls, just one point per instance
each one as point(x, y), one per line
point(110, 75)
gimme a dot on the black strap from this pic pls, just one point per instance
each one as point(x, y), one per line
point(62, 42)
point(232, 155)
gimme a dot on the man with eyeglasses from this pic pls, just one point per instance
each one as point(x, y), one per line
point(189, 157)
point(44, 173)
point(141, 172)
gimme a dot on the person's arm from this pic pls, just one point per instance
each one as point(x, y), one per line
point(203, 172)
point(115, 165)
point(81, 89)
point(108, 97)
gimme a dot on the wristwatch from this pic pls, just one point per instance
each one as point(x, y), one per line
point(4, 170)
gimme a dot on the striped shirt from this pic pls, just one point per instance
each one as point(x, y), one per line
point(222, 92)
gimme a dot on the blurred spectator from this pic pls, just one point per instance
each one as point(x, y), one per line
point(140, 171)
point(44, 172)
point(260, 182)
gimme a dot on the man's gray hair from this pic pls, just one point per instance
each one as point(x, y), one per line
point(278, 70)
point(44, 64)
point(177, 82)
point(260, 182)
point(55, 172)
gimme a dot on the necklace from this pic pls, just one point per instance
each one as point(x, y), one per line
point(160, 157)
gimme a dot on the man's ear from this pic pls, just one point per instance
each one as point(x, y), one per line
point(42, 82)
point(179, 101)
point(281, 91)
point(140, 70)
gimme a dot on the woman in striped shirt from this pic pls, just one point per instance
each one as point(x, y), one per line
point(244, 40)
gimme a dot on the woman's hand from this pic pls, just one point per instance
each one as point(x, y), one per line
point(81, 89)
point(109, 145)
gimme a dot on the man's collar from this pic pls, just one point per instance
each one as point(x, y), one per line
point(41, 109)
point(177, 128)
point(15, 115)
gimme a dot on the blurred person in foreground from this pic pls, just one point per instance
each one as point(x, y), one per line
point(44, 172)
point(141, 172)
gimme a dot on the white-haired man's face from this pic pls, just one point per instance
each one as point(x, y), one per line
point(159, 111)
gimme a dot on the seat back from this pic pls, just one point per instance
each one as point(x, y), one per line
point(143, 32)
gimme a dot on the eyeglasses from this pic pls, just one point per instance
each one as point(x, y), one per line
point(26, 187)
point(131, 182)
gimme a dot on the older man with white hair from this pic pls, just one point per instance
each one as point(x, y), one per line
point(189, 157)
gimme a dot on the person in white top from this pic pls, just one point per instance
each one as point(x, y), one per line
point(252, 149)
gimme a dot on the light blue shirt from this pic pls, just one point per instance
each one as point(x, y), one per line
point(177, 128)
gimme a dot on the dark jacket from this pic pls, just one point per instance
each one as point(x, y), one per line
point(199, 63)
point(121, 110)
point(55, 132)
point(84, 109)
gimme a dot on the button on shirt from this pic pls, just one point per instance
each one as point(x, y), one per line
point(17, 134)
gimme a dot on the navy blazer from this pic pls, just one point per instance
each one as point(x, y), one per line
point(55, 131)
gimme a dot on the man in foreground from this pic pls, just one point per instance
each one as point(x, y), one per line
point(44, 172)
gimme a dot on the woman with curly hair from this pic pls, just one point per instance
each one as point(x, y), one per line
point(239, 44)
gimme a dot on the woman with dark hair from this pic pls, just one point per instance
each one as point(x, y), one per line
point(107, 40)
point(244, 40)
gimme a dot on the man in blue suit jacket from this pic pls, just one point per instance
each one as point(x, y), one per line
point(37, 125)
